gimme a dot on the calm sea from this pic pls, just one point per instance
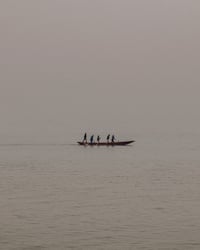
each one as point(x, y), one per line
point(144, 196)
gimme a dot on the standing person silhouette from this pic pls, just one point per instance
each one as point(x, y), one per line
point(91, 139)
point(107, 138)
point(113, 139)
point(98, 139)
point(85, 138)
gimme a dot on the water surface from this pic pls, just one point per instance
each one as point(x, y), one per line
point(144, 196)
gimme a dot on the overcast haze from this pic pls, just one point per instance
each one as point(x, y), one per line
point(99, 66)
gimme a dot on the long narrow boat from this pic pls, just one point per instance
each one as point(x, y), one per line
point(117, 143)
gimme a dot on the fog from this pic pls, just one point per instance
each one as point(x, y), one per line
point(123, 67)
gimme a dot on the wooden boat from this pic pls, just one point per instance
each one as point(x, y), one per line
point(116, 143)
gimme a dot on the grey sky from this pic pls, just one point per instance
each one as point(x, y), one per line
point(68, 66)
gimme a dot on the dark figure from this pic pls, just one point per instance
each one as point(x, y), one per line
point(85, 138)
point(98, 138)
point(107, 138)
point(113, 139)
point(91, 139)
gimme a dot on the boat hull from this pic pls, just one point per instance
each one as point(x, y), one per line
point(117, 143)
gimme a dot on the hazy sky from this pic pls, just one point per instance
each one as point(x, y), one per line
point(70, 66)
